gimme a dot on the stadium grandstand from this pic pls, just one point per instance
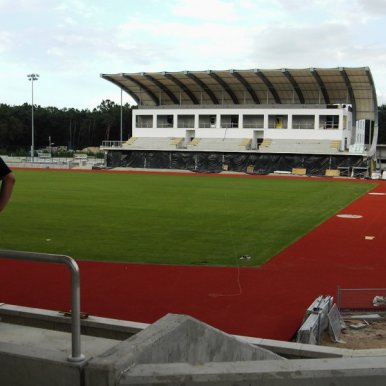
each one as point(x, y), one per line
point(259, 121)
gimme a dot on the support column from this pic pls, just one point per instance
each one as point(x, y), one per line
point(266, 121)
point(316, 123)
point(289, 121)
point(340, 116)
point(175, 121)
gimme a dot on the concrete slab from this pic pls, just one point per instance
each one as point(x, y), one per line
point(54, 320)
point(315, 372)
point(52, 340)
point(172, 339)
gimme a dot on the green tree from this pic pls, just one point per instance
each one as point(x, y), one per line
point(71, 127)
point(382, 124)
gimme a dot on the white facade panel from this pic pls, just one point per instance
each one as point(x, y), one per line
point(303, 134)
point(273, 123)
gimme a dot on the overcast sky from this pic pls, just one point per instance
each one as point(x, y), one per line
point(70, 43)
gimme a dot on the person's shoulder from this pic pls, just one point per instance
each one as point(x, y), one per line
point(4, 169)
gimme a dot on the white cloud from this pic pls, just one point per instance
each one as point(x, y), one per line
point(184, 46)
point(70, 21)
point(373, 7)
point(76, 40)
point(55, 51)
point(5, 41)
point(302, 46)
point(206, 10)
point(78, 8)
point(25, 5)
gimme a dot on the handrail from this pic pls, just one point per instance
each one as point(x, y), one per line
point(76, 355)
point(112, 143)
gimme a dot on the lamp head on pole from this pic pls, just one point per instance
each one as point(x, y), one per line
point(33, 77)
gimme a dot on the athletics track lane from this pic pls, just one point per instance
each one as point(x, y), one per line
point(267, 302)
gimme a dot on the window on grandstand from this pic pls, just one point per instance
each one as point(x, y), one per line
point(165, 121)
point(328, 122)
point(278, 121)
point(185, 121)
point(229, 121)
point(253, 121)
point(306, 122)
point(206, 121)
point(144, 121)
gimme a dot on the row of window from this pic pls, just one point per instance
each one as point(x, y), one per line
point(233, 121)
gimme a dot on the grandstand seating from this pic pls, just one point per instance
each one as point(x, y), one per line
point(246, 143)
point(299, 146)
point(216, 144)
point(234, 145)
point(177, 141)
point(150, 143)
point(266, 143)
point(194, 142)
point(131, 140)
point(335, 145)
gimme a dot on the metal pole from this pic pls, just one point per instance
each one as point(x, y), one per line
point(32, 78)
point(121, 116)
point(32, 123)
point(76, 355)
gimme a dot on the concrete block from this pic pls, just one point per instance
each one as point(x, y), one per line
point(299, 171)
point(28, 366)
point(332, 173)
point(315, 372)
point(172, 339)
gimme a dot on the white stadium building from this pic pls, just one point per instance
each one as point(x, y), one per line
point(313, 120)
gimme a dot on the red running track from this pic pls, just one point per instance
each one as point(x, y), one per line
point(267, 302)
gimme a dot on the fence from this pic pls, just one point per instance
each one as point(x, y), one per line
point(111, 144)
point(366, 299)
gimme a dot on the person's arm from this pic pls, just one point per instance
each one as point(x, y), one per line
point(6, 189)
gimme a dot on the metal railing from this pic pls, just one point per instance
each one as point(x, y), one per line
point(112, 143)
point(76, 355)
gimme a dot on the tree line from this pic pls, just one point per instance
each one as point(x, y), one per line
point(78, 129)
point(68, 127)
point(382, 124)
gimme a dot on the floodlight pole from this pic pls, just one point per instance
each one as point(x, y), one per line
point(32, 78)
point(121, 118)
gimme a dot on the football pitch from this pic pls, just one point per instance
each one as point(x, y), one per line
point(167, 219)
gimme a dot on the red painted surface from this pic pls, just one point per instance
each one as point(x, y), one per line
point(267, 302)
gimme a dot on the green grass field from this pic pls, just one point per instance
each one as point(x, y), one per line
point(161, 218)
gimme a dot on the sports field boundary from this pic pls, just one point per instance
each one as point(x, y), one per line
point(193, 173)
point(267, 302)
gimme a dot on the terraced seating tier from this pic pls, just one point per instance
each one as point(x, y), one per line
point(234, 145)
point(148, 143)
point(218, 144)
point(300, 146)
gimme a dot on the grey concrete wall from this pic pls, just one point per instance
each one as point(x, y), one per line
point(26, 366)
point(311, 372)
point(179, 350)
point(174, 338)
point(53, 320)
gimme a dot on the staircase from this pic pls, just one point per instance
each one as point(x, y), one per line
point(266, 143)
point(335, 145)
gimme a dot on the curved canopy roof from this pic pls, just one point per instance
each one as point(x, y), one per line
point(342, 85)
